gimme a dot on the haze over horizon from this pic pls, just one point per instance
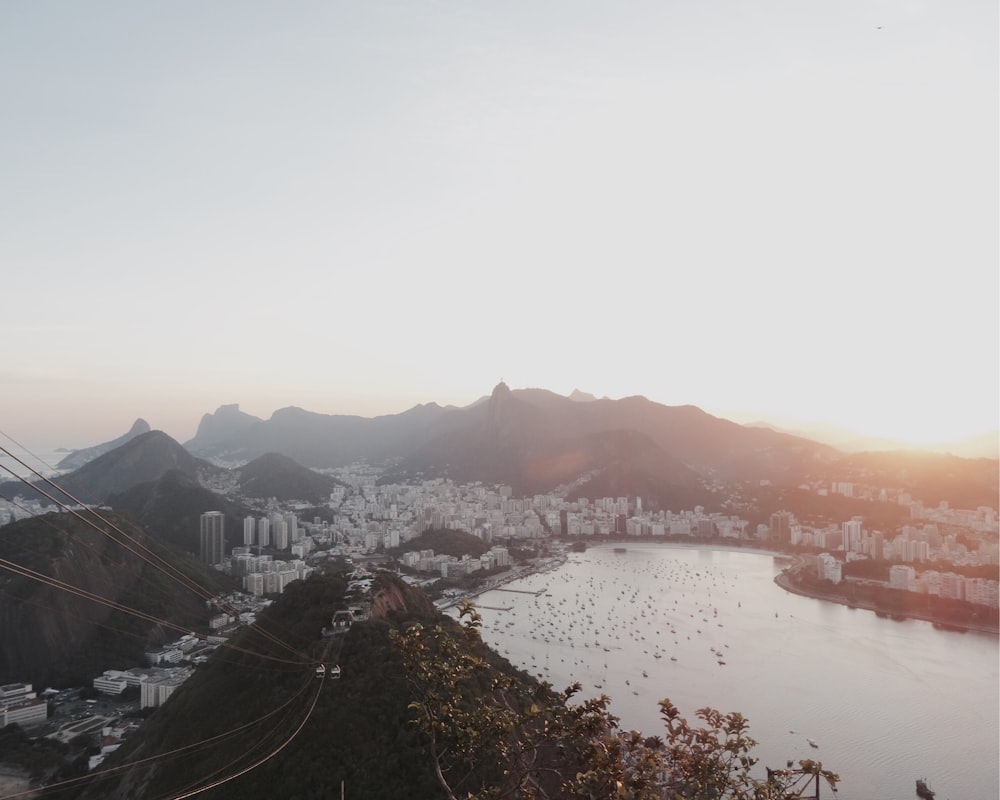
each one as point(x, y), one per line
point(780, 212)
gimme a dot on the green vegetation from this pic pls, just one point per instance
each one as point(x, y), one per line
point(424, 709)
point(445, 542)
point(42, 757)
point(870, 569)
point(253, 697)
point(493, 734)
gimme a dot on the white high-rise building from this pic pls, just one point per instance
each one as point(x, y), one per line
point(264, 532)
point(852, 535)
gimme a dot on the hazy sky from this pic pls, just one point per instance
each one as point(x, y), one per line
point(768, 209)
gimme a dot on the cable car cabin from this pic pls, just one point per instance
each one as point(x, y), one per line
point(335, 671)
point(321, 671)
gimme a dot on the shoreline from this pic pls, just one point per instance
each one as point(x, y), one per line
point(783, 580)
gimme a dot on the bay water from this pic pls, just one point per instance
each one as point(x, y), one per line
point(880, 701)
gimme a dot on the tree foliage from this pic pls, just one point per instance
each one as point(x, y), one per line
point(493, 735)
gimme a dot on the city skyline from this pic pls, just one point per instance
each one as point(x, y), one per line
point(784, 213)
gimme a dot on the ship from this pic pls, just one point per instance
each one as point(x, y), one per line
point(923, 790)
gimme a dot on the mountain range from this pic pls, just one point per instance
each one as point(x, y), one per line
point(530, 439)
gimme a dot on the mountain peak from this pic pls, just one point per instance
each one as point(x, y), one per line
point(78, 458)
point(500, 390)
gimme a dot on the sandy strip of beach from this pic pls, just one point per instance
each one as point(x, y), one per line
point(13, 784)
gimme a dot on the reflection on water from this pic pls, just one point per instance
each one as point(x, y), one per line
point(885, 701)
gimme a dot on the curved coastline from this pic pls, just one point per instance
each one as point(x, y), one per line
point(783, 579)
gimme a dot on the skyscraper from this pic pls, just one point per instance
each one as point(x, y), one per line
point(213, 537)
point(781, 526)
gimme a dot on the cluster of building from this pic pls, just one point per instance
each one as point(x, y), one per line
point(368, 516)
point(904, 577)
point(912, 544)
point(451, 567)
point(261, 574)
point(945, 584)
point(169, 667)
point(155, 684)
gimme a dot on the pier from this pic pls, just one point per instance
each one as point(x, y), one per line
point(495, 608)
point(537, 593)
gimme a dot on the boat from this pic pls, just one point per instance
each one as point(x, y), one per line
point(620, 550)
point(923, 790)
point(812, 743)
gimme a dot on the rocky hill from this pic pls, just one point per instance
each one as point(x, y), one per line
point(215, 430)
point(357, 729)
point(78, 458)
point(52, 634)
point(278, 476)
point(172, 506)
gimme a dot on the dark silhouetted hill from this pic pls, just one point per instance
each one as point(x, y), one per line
point(172, 506)
point(52, 636)
point(278, 476)
point(326, 440)
point(246, 702)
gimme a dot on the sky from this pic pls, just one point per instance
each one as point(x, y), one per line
point(771, 210)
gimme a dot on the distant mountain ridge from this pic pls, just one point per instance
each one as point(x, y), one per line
point(78, 458)
point(536, 440)
point(227, 422)
point(533, 440)
point(316, 440)
point(537, 419)
point(142, 459)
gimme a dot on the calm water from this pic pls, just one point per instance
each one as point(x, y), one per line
point(41, 460)
point(885, 701)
